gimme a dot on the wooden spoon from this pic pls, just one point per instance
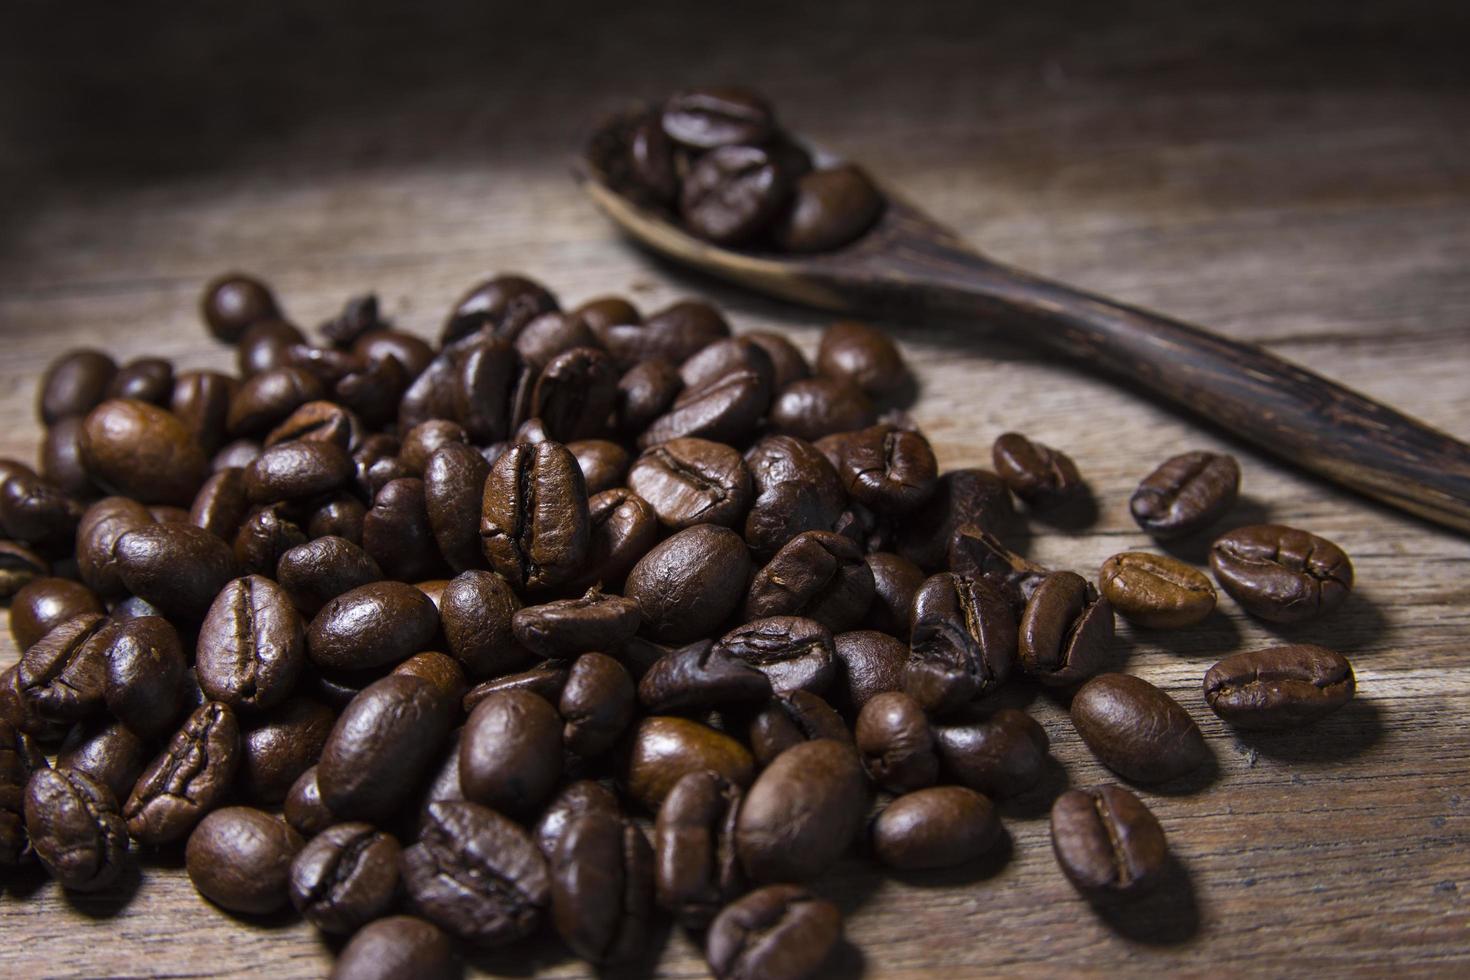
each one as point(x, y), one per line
point(909, 265)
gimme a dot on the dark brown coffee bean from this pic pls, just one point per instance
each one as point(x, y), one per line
point(264, 346)
point(692, 481)
point(1041, 476)
point(893, 735)
point(607, 311)
point(817, 574)
point(712, 117)
point(74, 384)
point(602, 888)
point(567, 627)
point(829, 209)
point(375, 624)
point(597, 702)
point(397, 534)
point(267, 399)
point(535, 527)
point(340, 517)
point(696, 871)
point(345, 877)
point(45, 603)
point(359, 315)
point(142, 451)
point(1137, 730)
point(779, 932)
point(38, 512)
point(664, 749)
point(503, 305)
point(963, 642)
point(1280, 687)
point(179, 568)
point(575, 394)
point(190, 778)
point(278, 746)
point(439, 670)
point(1002, 756)
point(398, 946)
point(510, 757)
point(252, 645)
point(303, 807)
point(264, 536)
point(374, 757)
point(868, 663)
point(413, 353)
point(550, 334)
point(476, 609)
point(855, 352)
point(314, 573)
point(477, 874)
point(793, 652)
point(896, 581)
point(20, 759)
point(815, 407)
point(145, 674)
point(645, 391)
point(802, 812)
point(673, 334)
point(1156, 591)
point(688, 584)
point(976, 553)
point(201, 401)
point(233, 302)
point(19, 566)
point(240, 859)
point(423, 440)
point(937, 827)
point(724, 356)
point(147, 379)
point(701, 675)
point(104, 749)
point(790, 718)
point(1107, 842)
point(572, 801)
point(64, 469)
point(295, 470)
point(75, 829)
point(787, 360)
point(604, 464)
point(222, 504)
point(63, 675)
point(889, 469)
point(624, 528)
point(1281, 574)
point(1187, 493)
point(796, 490)
point(726, 409)
point(373, 392)
point(1066, 630)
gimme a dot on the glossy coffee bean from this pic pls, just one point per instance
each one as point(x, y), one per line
point(565, 628)
point(724, 356)
point(396, 532)
point(672, 334)
point(1187, 493)
point(240, 859)
point(801, 812)
point(252, 645)
point(896, 581)
point(695, 869)
point(897, 746)
point(815, 407)
point(341, 516)
point(503, 304)
point(233, 302)
point(221, 505)
point(477, 874)
point(189, 778)
point(1107, 842)
point(101, 525)
point(976, 553)
point(147, 379)
point(44, 603)
point(888, 469)
point(645, 391)
point(793, 652)
point(303, 807)
point(607, 311)
point(604, 464)
point(597, 703)
point(372, 625)
point(476, 609)
point(573, 800)
point(383, 740)
point(1137, 730)
point(575, 394)
point(688, 584)
point(145, 674)
point(961, 497)
point(179, 568)
point(1281, 574)
point(706, 118)
point(818, 575)
point(1156, 591)
point(296, 470)
point(439, 670)
point(398, 946)
point(279, 745)
point(779, 932)
point(1066, 630)
point(868, 663)
point(700, 676)
point(104, 749)
point(550, 334)
point(19, 566)
point(265, 345)
point(63, 468)
point(315, 573)
point(787, 361)
point(142, 451)
point(74, 384)
point(602, 888)
point(510, 756)
point(267, 399)
point(1002, 756)
point(534, 526)
point(345, 877)
point(624, 528)
point(1038, 474)
point(63, 675)
point(937, 827)
point(20, 759)
point(692, 481)
point(829, 209)
point(726, 409)
point(201, 401)
point(422, 441)
point(733, 193)
point(75, 829)
point(38, 512)
point(264, 536)
point(790, 718)
point(664, 749)
point(963, 642)
point(547, 680)
point(851, 351)
point(1279, 687)
point(796, 490)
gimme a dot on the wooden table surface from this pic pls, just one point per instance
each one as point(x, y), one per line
point(1297, 176)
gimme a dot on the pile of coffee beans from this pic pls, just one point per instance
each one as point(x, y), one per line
point(716, 160)
point(578, 618)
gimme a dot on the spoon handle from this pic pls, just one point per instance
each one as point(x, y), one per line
point(1300, 416)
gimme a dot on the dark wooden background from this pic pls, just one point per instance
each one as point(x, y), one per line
point(1290, 173)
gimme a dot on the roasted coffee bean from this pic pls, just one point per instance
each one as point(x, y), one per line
point(237, 454)
point(1107, 842)
point(787, 360)
point(692, 481)
point(20, 759)
point(266, 534)
point(1002, 756)
point(233, 302)
point(893, 735)
point(437, 391)
point(607, 311)
point(38, 512)
point(550, 334)
point(147, 379)
point(503, 305)
point(1281, 574)
point(375, 624)
point(963, 642)
point(695, 869)
point(145, 674)
point(267, 399)
point(645, 391)
point(706, 118)
point(345, 877)
point(303, 807)
point(63, 468)
point(476, 609)
point(673, 334)
point(422, 441)
point(374, 391)
point(397, 534)
point(19, 566)
point(855, 352)
point(604, 464)
point(815, 407)
point(190, 777)
point(790, 718)
point(724, 356)
point(264, 346)
point(575, 394)
point(726, 409)
point(477, 874)
point(201, 401)
point(665, 748)
point(1137, 730)
point(317, 572)
point(439, 670)
point(252, 645)
point(75, 829)
point(976, 553)
point(889, 469)
point(280, 745)
point(793, 652)
point(398, 946)
point(510, 755)
point(376, 752)
point(340, 517)
point(572, 801)
point(142, 451)
point(796, 490)
point(535, 527)
point(801, 812)
point(179, 568)
point(597, 702)
point(602, 888)
point(295, 470)
point(1187, 493)
point(779, 932)
point(868, 663)
point(817, 574)
point(567, 627)
point(43, 604)
point(701, 675)
point(359, 315)
point(896, 581)
point(412, 352)
point(1038, 474)
point(74, 384)
point(829, 209)
point(104, 749)
point(164, 514)
point(937, 827)
point(240, 859)
point(1156, 591)
point(1280, 687)
point(1065, 631)
point(221, 505)
point(624, 528)
point(688, 584)
point(63, 675)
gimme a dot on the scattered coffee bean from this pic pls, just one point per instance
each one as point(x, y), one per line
point(398, 946)
point(790, 718)
point(252, 645)
point(1002, 756)
point(779, 932)
point(535, 524)
point(602, 888)
point(687, 585)
point(1156, 591)
point(1041, 476)
point(375, 624)
point(74, 828)
point(963, 642)
point(665, 749)
point(1107, 843)
point(692, 481)
point(801, 812)
point(43, 604)
point(1281, 574)
point(1187, 493)
point(896, 743)
point(191, 777)
point(240, 859)
point(793, 652)
point(345, 877)
point(701, 675)
point(106, 750)
point(1065, 631)
point(281, 744)
point(1137, 730)
point(937, 827)
point(567, 627)
point(20, 759)
point(384, 738)
point(510, 755)
point(696, 872)
point(1279, 687)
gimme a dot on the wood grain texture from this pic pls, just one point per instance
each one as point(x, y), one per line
point(1296, 176)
